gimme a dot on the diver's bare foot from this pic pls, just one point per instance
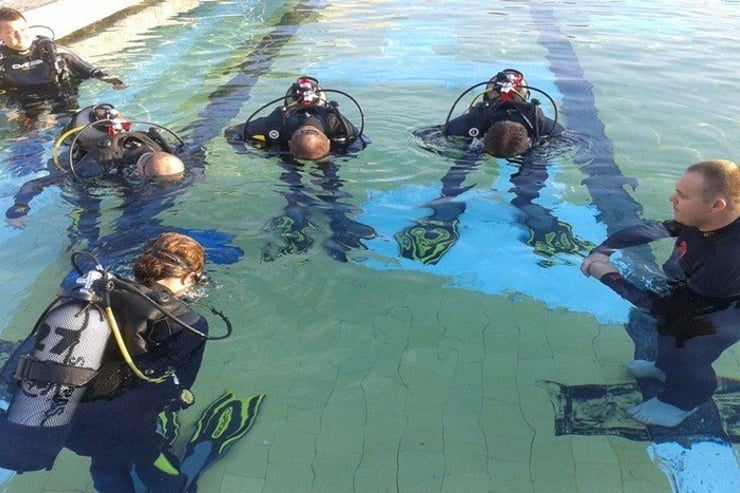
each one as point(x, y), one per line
point(657, 412)
point(642, 368)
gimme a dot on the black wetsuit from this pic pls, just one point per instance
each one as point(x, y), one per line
point(478, 119)
point(274, 130)
point(116, 422)
point(698, 318)
point(44, 67)
point(107, 155)
point(116, 153)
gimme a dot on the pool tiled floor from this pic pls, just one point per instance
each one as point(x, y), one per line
point(409, 400)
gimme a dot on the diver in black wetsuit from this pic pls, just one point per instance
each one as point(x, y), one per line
point(38, 74)
point(102, 143)
point(307, 125)
point(698, 318)
point(508, 122)
point(511, 126)
point(122, 390)
point(40, 64)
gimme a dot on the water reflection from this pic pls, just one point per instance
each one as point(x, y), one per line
point(323, 194)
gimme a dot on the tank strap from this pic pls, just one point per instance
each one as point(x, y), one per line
point(48, 50)
point(51, 372)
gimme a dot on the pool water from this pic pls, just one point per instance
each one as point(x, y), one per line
point(496, 367)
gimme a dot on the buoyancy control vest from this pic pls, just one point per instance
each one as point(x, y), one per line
point(144, 326)
point(39, 66)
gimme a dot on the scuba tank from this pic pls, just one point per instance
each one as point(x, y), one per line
point(69, 341)
point(508, 85)
point(111, 123)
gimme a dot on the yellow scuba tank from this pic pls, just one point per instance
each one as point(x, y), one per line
point(69, 341)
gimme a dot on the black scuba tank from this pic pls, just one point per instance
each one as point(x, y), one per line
point(68, 348)
point(85, 118)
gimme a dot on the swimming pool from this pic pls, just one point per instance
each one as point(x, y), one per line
point(384, 373)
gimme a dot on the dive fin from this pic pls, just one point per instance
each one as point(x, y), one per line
point(167, 425)
point(222, 423)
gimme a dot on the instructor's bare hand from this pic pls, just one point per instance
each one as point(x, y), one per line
point(591, 259)
point(597, 270)
point(117, 83)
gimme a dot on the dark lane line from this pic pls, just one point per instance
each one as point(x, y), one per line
point(227, 100)
point(605, 182)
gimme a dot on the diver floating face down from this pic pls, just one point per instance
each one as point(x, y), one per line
point(308, 142)
point(160, 165)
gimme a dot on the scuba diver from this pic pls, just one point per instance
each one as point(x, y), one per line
point(106, 368)
point(306, 125)
point(511, 126)
point(102, 143)
point(105, 154)
point(509, 123)
point(37, 74)
point(40, 64)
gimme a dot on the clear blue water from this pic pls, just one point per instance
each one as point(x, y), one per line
point(384, 373)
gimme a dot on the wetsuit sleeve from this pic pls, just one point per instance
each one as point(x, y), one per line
point(28, 191)
point(233, 134)
point(548, 127)
point(680, 303)
point(641, 298)
point(463, 123)
point(431, 138)
point(635, 236)
point(76, 66)
point(340, 126)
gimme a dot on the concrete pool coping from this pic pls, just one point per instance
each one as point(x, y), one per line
point(55, 13)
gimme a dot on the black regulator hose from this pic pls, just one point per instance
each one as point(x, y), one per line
point(549, 98)
point(286, 106)
point(109, 282)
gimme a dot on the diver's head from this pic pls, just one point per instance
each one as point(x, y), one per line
point(506, 139)
point(308, 142)
point(507, 85)
point(707, 195)
point(14, 31)
point(174, 261)
point(160, 165)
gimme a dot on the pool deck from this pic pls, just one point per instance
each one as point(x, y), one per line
point(55, 13)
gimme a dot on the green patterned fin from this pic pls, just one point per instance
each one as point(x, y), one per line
point(428, 240)
point(222, 423)
point(167, 425)
point(559, 240)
